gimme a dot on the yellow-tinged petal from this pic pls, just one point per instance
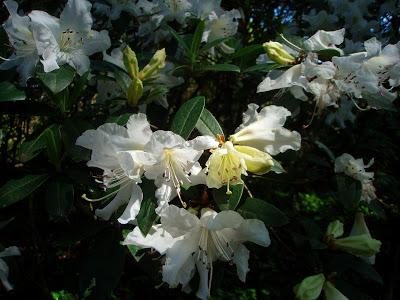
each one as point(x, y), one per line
point(257, 162)
point(278, 54)
point(135, 91)
point(130, 62)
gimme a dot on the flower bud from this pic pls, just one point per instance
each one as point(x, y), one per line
point(156, 63)
point(135, 91)
point(335, 229)
point(310, 288)
point(257, 162)
point(332, 293)
point(278, 54)
point(359, 245)
point(130, 62)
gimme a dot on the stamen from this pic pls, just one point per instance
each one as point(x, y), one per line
point(104, 197)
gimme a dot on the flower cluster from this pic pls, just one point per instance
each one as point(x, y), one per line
point(126, 154)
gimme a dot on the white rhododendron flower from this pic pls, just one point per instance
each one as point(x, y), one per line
point(177, 10)
point(4, 270)
point(174, 159)
point(325, 39)
point(118, 151)
point(21, 33)
point(264, 130)
point(355, 168)
point(190, 242)
point(69, 39)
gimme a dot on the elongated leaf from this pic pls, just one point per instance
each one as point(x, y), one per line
point(198, 34)
point(187, 116)
point(349, 192)
point(180, 40)
point(59, 198)
point(218, 68)
point(8, 92)
point(17, 189)
point(120, 120)
point(63, 101)
point(262, 68)
point(254, 208)
point(146, 215)
point(249, 50)
point(30, 149)
point(214, 43)
point(53, 140)
point(225, 201)
point(208, 125)
point(58, 80)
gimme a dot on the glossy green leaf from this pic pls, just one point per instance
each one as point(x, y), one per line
point(208, 124)
point(214, 43)
point(120, 120)
point(254, 208)
point(8, 92)
point(59, 79)
point(63, 101)
point(249, 50)
point(179, 39)
point(349, 192)
point(218, 68)
point(59, 198)
point(196, 41)
point(30, 149)
point(262, 68)
point(225, 201)
point(146, 215)
point(52, 136)
point(17, 189)
point(186, 118)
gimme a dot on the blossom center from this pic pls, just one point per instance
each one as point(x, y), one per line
point(70, 41)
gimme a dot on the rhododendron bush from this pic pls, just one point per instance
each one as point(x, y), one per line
point(206, 148)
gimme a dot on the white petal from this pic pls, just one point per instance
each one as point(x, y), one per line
point(10, 251)
point(164, 194)
point(133, 207)
point(241, 259)
point(202, 143)
point(120, 199)
point(225, 219)
point(139, 128)
point(177, 257)
point(254, 230)
point(96, 42)
point(79, 61)
point(132, 162)
point(115, 58)
point(76, 16)
point(163, 139)
point(47, 21)
point(288, 78)
point(157, 238)
point(49, 60)
point(325, 39)
point(4, 270)
point(203, 291)
point(178, 221)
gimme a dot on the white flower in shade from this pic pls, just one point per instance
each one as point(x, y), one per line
point(118, 151)
point(118, 6)
point(319, 20)
point(221, 26)
point(177, 10)
point(69, 39)
point(21, 33)
point(264, 130)
point(4, 270)
point(355, 168)
point(342, 115)
point(189, 243)
point(325, 39)
point(203, 8)
point(175, 159)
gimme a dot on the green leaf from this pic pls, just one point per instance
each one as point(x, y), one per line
point(208, 124)
point(59, 198)
point(71, 130)
point(147, 214)
point(8, 92)
point(120, 120)
point(262, 68)
point(249, 50)
point(254, 208)
point(186, 118)
point(277, 167)
point(59, 79)
point(228, 202)
point(214, 43)
point(324, 148)
point(30, 149)
point(63, 101)
point(180, 40)
point(196, 41)
point(17, 189)
point(133, 249)
point(52, 136)
point(218, 68)
point(349, 192)
point(327, 54)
